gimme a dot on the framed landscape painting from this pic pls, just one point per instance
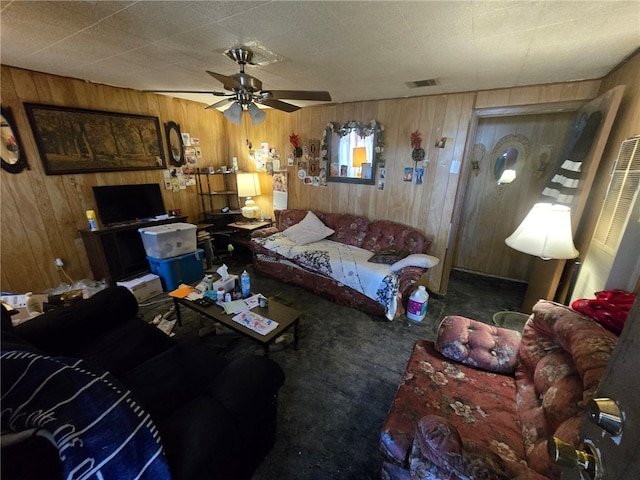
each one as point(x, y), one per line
point(73, 140)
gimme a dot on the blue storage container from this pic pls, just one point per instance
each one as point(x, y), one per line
point(176, 270)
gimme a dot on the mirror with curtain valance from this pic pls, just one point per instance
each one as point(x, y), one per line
point(352, 151)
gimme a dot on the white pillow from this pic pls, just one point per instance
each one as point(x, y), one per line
point(309, 230)
point(415, 260)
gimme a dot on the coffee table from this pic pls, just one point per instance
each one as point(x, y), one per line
point(286, 317)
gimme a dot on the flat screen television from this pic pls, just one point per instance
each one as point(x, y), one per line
point(118, 204)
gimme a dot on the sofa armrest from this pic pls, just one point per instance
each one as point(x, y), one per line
point(59, 331)
point(438, 443)
point(478, 344)
point(247, 382)
point(264, 232)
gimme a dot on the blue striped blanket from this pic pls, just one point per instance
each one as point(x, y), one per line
point(101, 432)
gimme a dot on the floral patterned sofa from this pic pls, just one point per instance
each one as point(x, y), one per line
point(375, 236)
point(483, 401)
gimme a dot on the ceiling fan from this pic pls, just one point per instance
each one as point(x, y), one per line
point(247, 92)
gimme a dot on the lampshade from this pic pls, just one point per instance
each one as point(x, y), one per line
point(359, 156)
point(257, 115)
point(234, 113)
point(545, 232)
point(249, 186)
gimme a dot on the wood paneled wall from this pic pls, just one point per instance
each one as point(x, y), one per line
point(41, 214)
point(627, 125)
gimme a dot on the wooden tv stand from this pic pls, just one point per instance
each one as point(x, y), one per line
point(117, 253)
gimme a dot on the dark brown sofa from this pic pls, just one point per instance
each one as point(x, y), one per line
point(116, 390)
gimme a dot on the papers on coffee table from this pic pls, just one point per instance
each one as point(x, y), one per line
point(234, 306)
point(255, 322)
point(237, 306)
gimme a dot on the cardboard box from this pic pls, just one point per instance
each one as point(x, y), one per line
point(228, 284)
point(19, 303)
point(143, 287)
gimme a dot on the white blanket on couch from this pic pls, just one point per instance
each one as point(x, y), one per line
point(345, 264)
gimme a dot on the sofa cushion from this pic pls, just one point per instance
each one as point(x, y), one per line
point(170, 379)
point(478, 344)
point(309, 230)
point(384, 234)
point(388, 256)
point(125, 346)
point(289, 217)
point(349, 229)
point(481, 405)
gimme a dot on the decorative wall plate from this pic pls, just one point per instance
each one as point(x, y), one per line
point(417, 155)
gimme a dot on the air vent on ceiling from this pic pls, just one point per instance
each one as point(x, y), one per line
point(430, 82)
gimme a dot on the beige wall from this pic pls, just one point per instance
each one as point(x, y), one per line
point(41, 214)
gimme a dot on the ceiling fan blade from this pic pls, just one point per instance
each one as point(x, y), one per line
point(278, 105)
point(217, 94)
point(228, 82)
point(221, 103)
point(299, 95)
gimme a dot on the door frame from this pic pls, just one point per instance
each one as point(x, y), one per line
point(476, 115)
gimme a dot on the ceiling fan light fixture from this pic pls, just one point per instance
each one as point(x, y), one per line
point(234, 113)
point(257, 115)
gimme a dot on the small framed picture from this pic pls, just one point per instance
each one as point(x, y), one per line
point(408, 174)
point(314, 148)
point(186, 139)
point(418, 176)
point(195, 141)
point(189, 151)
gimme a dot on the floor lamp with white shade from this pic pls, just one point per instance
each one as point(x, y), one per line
point(546, 233)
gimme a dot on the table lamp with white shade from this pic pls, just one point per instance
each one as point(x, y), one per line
point(249, 186)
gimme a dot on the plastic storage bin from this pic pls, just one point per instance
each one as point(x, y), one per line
point(170, 240)
point(182, 269)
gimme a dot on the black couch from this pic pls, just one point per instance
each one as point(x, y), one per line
point(216, 418)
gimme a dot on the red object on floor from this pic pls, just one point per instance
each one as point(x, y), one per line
point(610, 308)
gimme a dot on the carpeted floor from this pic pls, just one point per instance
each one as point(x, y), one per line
point(344, 375)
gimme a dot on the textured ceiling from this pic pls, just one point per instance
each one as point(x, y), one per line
point(362, 50)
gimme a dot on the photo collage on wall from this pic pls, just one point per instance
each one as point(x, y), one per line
point(311, 168)
point(176, 179)
point(267, 159)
